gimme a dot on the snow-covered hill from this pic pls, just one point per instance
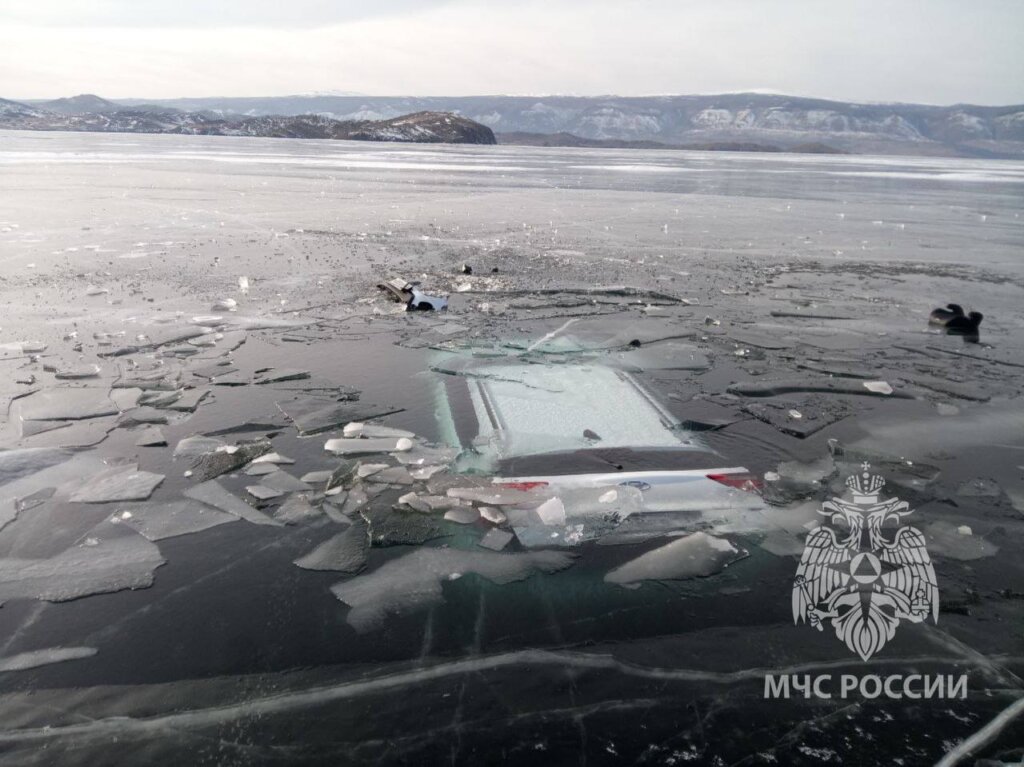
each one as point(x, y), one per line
point(429, 127)
point(761, 118)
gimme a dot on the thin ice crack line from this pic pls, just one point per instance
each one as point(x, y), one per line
point(984, 736)
point(277, 704)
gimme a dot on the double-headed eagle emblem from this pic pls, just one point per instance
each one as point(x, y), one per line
point(866, 572)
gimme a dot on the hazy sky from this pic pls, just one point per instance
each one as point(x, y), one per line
point(934, 51)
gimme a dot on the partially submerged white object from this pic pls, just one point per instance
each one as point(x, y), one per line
point(878, 387)
point(368, 446)
point(371, 430)
point(695, 555)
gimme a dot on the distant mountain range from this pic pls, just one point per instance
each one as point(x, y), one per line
point(92, 113)
point(723, 121)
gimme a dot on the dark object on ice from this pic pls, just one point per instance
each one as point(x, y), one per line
point(423, 302)
point(967, 326)
point(407, 293)
point(467, 269)
point(941, 316)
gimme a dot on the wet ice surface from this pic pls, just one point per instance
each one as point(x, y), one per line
point(217, 333)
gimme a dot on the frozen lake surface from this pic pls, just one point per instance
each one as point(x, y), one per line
point(187, 575)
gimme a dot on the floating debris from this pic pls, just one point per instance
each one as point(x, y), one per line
point(407, 293)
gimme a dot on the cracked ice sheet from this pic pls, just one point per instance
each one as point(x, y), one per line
point(414, 581)
point(111, 558)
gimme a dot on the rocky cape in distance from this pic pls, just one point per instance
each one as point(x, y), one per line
point(733, 121)
point(92, 113)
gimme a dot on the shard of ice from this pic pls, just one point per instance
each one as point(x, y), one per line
point(121, 483)
point(372, 430)
point(280, 375)
point(197, 445)
point(315, 416)
point(156, 521)
point(694, 555)
point(464, 515)
point(151, 436)
point(414, 580)
point(112, 558)
point(495, 539)
point(66, 404)
point(263, 493)
point(283, 481)
point(344, 552)
point(15, 464)
point(296, 509)
point(213, 494)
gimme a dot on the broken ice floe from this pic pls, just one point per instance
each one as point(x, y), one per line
point(415, 580)
point(110, 559)
point(157, 521)
point(263, 493)
point(120, 483)
point(296, 509)
point(345, 552)
point(214, 494)
point(315, 416)
point(66, 404)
